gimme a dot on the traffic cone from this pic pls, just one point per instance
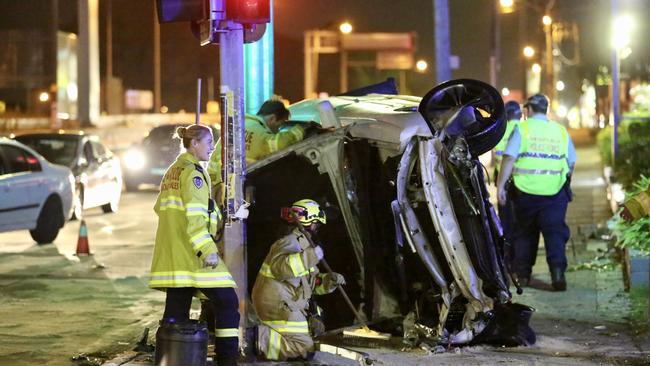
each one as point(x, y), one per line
point(82, 242)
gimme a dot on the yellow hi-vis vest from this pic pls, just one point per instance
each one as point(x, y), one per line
point(501, 146)
point(185, 230)
point(541, 167)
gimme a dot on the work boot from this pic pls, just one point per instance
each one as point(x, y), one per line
point(523, 280)
point(557, 279)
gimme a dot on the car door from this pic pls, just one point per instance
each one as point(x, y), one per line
point(22, 189)
point(106, 174)
point(92, 178)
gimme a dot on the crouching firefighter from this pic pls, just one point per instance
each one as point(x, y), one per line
point(186, 261)
point(286, 282)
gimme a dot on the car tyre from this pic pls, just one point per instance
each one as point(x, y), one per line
point(49, 222)
point(112, 206)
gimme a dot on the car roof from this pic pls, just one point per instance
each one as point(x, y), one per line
point(8, 141)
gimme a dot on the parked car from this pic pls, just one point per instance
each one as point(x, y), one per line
point(409, 223)
point(34, 194)
point(147, 162)
point(97, 171)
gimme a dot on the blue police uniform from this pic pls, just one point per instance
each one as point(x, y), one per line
point(537, 214)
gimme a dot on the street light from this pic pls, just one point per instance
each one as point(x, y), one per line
point(547, 20)
point(529, 51)
point(345, 27)
point(44, 97)
point(421, 66)
point(622, 28)
point(506, 6)
point(536, 68)
point(559, 86)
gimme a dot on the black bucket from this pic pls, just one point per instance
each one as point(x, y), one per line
point(181, 344)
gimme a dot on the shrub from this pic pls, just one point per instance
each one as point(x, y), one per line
point(635, 234)
point(633, 149)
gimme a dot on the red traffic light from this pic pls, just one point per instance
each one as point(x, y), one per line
point(248, 11)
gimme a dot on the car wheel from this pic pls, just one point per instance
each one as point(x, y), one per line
point(49, 221)
point(466, 107)
point(111, 206)
point(77, 213)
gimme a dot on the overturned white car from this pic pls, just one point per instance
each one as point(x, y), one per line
point(409, 223)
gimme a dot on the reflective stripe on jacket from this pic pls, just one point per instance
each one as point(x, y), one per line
point(541, 167)
point(501, 146)
point(185, 230)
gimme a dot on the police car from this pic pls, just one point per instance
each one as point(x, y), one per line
point(34, 194)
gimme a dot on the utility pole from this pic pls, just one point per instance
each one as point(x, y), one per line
point(231, 63)
point(88, 64)
point(156, 64)
point(616, 103)
point(441, 33)
point(495, 57)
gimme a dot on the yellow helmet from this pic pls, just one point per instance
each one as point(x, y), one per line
point(307, 211)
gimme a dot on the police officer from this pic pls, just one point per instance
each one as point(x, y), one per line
point(185, 257)
point(506, 211)
point(540, 156)
point(263, 136)
point(285, 284)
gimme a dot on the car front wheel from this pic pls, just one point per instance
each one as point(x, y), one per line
point(49, 221)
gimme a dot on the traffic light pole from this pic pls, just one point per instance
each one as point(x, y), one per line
point(231, 47)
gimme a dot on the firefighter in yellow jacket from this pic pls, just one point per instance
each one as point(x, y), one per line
point(285, 284)
point(185, 257)
point(263, 137)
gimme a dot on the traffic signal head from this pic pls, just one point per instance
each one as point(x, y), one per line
point(248, 11)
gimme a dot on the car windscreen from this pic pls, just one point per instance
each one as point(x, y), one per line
point(55, 149)
point(161, 135)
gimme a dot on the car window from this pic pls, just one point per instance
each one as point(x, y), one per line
point(100, 151)
point(19, 160)
point(89, 154)
point(55, 149)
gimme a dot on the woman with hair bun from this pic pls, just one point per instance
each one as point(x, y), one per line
point(186, 257)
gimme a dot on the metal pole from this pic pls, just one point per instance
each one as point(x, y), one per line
point(231, 57)
point(156, 62)
point(197, 119)
point(308, 50)
point(443, 51)
point(344, 71)
point(495, 57)
point(88, 62)
point(615, 90)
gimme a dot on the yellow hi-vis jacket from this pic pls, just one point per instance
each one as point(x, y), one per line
point(501, 146)
point(541, 167)
point(185, 230)
point(260, 143)
point(281, 294)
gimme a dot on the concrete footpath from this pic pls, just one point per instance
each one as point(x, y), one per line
point(593, 323)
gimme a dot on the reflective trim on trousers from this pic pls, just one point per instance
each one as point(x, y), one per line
point(275, 342)
point(226, 332)
point(286, 326)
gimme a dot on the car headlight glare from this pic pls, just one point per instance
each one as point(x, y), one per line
point(134, 160)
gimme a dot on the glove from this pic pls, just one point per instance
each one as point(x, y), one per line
point(318, 251)
point(338, 278)
point(211, 260)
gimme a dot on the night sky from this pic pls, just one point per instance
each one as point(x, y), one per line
point(183, 60)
